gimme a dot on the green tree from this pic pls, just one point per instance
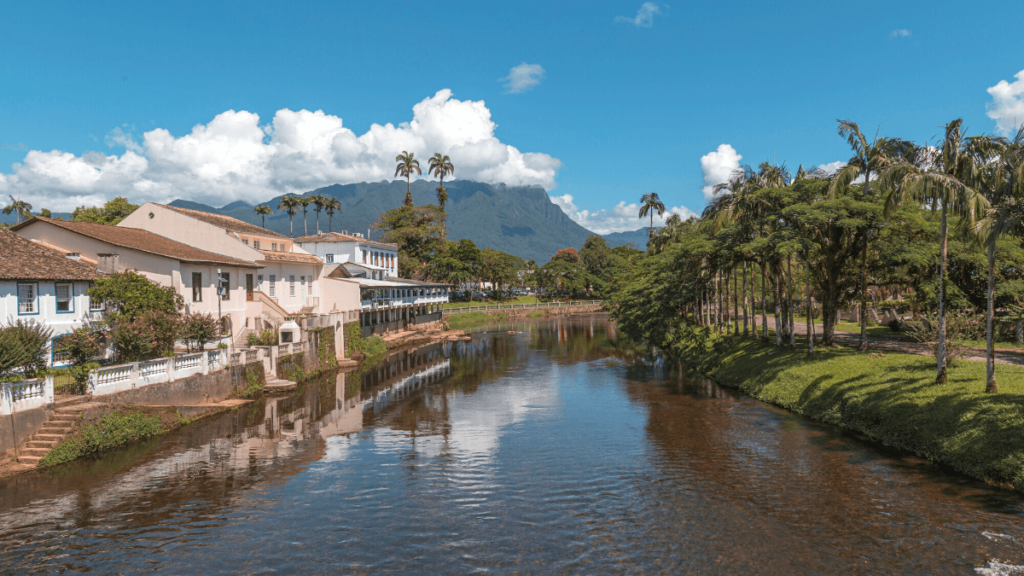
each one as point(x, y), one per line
point(110, 213)
point(406, 166)
point(262, 210)
point(319, 203)
point(950, 183)
point(290, 205)
point(129, 294)
point(332, 206)
point(499, 268)
point(21, 209)
point(419, 233)
point(304, 202)
point(649, 204)
point(441, 166)
point(24, 347)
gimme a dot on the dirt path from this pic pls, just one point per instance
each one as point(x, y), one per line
point(852, 339)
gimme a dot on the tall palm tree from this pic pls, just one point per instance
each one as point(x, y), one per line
point(441, 166)
point(867, 160)
point(406, 166)
point(332, 206)
point(649, 204)
point(262, 210)
point(290, 205)
point(20, 208)
point(1002, 182)
point(319, 202)
point(304, 202)
point(951, 184)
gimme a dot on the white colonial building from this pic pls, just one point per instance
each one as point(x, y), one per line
point(41, 284)
point(379, 258)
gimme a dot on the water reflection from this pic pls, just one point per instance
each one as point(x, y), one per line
point(545, 447)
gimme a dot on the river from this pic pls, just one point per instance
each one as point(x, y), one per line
point(552, 449)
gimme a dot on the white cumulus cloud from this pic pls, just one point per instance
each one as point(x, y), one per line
point(621, 218)
point(1007, 105)
point(522, 78)
point(644, 16)
point(832, 167)
point(899, 33)
point(234, 157)
point(717, 167)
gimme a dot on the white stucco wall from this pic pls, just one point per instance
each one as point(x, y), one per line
point(46, 305)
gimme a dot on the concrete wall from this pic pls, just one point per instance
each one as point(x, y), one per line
point(196, 389)
point(20, 426)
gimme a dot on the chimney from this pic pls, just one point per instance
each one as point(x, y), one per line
point(107, 263)
point(74, 256)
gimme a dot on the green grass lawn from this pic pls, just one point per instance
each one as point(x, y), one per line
point(894, 400)
point(473, 320)
point(516, 300)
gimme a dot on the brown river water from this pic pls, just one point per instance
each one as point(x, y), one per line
point(553, 450)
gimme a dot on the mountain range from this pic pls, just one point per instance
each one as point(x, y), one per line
point(521, 220)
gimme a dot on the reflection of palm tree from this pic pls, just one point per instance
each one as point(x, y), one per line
point(406, 166)
point(649, 204)
point(263, 211)
point(332, 206)
point(290, 205)
point(951, 183)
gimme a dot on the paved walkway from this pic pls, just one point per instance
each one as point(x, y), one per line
point(852, 339)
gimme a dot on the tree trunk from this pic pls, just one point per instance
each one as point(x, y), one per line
point(990, 353)
point(789, 303)
point(1020, 331)
point(810, 314)
point(940, 378)
point(291, 228)
point(718, 302)
point(764, 305)
point(864, 296)
point(746, 327)
point(735, 304)
point(778, 302)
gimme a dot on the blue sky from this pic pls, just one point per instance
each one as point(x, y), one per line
point(630, 99)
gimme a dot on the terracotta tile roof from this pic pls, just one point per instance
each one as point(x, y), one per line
point(143, 241)
point(339, 237)
point(22, 259)
point(272, 256)
point(225, 222)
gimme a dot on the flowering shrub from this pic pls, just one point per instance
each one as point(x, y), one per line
point(199, 329)
point(81, 347)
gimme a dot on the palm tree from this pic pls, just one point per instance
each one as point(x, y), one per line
point(332, 206)
point(20, 208)
point(262, 210)
point(867, 159)
point(950, 183)
point(406, 166)
point(319, 202)
point(1002, 182)
point(290, 204)
point(305, 201)
point(649, 204)
point(441, 166)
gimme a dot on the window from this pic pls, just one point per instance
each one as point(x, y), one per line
point(273, 286)
point(259, 282)
point(256, 244)
point(225, 285)
point(245, 241)
point(309, 287)
point(65, 302)
point(364, 257)
point(330, 258)
point(27, 299)
point(273, 246)
point(291, 285)
point(197, 287)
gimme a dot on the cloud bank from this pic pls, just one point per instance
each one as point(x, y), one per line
point(522, 78)
point(644, 16)
point(1007, 105)
point(717, 167)
point(234, 157)
point(622, 218)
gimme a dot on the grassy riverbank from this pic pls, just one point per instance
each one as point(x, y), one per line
point(474, 319)
point(893, 400)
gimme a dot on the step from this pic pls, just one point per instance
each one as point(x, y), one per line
point(30, 460)
point(55, 427)
point(40, 452)
point(63, 417)
point(41, 443)
point(79, 408)
point(44, 436)
point(65, 401)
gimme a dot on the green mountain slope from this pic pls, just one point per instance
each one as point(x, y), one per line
point(520, 220)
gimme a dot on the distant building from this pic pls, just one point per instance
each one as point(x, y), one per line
point(379, 258)
point(45, 285)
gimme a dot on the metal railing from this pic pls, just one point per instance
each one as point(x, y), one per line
point(485, 308)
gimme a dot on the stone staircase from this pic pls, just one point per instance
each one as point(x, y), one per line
point(60, 424)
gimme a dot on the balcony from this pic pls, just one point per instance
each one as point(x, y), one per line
point(386, 303)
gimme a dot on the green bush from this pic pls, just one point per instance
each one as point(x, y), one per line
point(355, 342)
point(265, 338)
point(24, 347)
point(113, 430)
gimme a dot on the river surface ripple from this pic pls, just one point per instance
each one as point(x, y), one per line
point(550, 450)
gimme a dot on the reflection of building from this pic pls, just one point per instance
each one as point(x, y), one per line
point(403, 373)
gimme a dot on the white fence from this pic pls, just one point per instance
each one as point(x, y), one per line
point(25, 395)
point(112, 379)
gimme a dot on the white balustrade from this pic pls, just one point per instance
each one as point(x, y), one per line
point(25, 395)
point(155, 369)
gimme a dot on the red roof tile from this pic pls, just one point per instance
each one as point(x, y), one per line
point(22, 259)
